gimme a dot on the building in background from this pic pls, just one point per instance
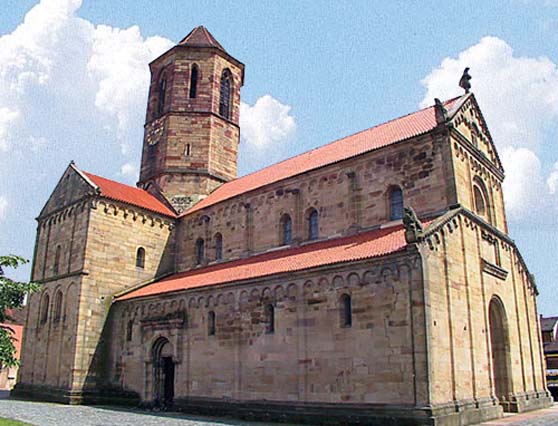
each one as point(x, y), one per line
point(549, 327)
point(372, 278)
point(8, 375)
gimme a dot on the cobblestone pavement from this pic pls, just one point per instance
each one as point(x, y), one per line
point(46, 414)
point(545, 417)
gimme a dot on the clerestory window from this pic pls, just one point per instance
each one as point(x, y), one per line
point(396, 211)
point(286, 229)
point(312, 221)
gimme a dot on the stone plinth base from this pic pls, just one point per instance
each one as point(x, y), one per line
point(460, 414)
point(521, 402)
point(74, 397)
point(457, 413)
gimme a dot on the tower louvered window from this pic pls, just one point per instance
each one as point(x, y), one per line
point(162, 94)
point(194, 81)
point(225, 97)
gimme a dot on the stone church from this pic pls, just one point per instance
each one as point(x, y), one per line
point(371, 280)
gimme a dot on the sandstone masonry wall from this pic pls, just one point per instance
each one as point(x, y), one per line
point(468, 266)
point(349, 195)
point(309, 357)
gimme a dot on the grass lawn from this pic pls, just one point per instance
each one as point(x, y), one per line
point(9, 422)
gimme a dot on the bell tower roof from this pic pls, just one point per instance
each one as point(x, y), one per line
point(201, 37)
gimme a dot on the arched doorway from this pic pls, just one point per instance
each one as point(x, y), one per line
point(163, 373)
point(500, 346)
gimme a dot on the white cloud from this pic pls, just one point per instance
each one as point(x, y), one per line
point(69, 89)
point(266, 123)
point(73, 90)
point(519, 99)
point(3, 208)
point(524, 185)
point(118, 65)
point(129, 171)
point(7, 119)
point(552, 180)
point(58, 70)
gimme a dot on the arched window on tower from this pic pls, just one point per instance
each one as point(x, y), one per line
point(269, 319)
point(218, 246)
point(395, 203)
point(199, 251)
point(286, 229)
point(57, 306)
point(312, 221)
point(140, 258)
point(162, 94)
point(346, 311)
point(225, 96)
point(56, 266)
point(194, 81)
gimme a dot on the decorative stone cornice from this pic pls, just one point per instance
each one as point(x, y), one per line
point(477, 154)
point(130, 212)
point(474, 220)
point(62, 213)
point(494, 270)
point(79, 272)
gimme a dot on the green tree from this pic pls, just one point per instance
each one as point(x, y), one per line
point(12, 294)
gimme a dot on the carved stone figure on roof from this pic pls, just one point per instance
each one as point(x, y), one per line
point(413, 225)
point(465, 81)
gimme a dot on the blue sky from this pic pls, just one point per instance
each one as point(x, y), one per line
point(73, 83)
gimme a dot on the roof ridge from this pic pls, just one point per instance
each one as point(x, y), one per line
point(124, 194)
point(307, 153)
point(340, 139)
point(287, 251)
point(366, 245)
point(208, 39)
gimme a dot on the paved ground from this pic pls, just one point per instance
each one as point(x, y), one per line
point(546, 417)
point(46, 414)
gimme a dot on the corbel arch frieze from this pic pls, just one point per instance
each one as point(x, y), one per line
point(292, 291)
point(267, 295)
point(353, 280)
point(308, 288)
point(279, 293)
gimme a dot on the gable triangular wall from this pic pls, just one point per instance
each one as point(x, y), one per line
point(72, 186)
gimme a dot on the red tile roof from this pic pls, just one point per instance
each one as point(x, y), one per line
point(129, 195)
point(201, 37)
point(345, 249)
point(393, 131)
point(17, 334)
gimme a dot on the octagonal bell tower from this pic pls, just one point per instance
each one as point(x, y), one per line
point(191, 134)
